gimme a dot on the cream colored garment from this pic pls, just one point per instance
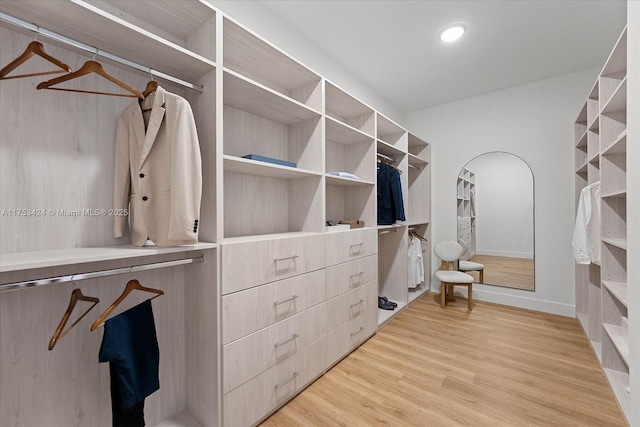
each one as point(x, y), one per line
point(586, 234)
point(158, 173)
point(416, 263)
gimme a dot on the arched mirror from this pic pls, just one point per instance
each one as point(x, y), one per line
point(495, 207)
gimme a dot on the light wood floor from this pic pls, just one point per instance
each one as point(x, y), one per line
point(494, 366)
point(504, 271)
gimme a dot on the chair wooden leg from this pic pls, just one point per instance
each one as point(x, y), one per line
point(482, 276)
point(450, 292)
point(470, 298)
point(443, 294)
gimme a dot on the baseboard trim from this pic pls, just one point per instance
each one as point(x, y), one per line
point(519, 301)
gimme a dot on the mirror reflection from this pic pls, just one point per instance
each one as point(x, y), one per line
point(495, 220)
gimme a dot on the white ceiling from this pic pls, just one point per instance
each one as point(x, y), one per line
point(393, 46)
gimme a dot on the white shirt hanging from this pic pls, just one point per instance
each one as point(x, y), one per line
point(586, 235)
point(415, 264)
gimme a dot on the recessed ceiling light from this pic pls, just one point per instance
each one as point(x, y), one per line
point(453, 32)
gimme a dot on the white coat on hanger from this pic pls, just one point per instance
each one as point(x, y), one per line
point(158, 173)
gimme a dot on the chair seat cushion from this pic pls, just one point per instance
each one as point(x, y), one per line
point(470, 266)
point(453, 276)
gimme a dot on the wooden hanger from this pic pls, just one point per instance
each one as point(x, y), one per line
point(34, 48)
point(132, 285)
point(91, 67)
point(413, 233)
point(389, 162)
point(152, 86)
point(76, 296)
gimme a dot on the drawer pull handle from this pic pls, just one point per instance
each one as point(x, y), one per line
point(277, 303)
point(358, 331)
point(280, 344)
point(356, 275)
point(279, 386)
point(358, 303)
point(356, 244)
point(286, 258)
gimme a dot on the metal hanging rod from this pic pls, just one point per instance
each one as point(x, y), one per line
point(392, 230)
point(97, 274)
point(97, 52)
point(386, 157)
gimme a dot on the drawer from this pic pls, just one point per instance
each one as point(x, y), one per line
point(249, 403)
point(347, 306)
point(460, 223)
point(348, 245)
point(248, 264)
point(247, 311)
point(249, 356)
point(350, 275)
point(349, 336)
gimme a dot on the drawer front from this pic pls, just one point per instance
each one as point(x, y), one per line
point(356, 303)
point(249, 264)
point(249, 403)
point(350, 275)
point(249, 356)
point(348, 245)
point(247, 311)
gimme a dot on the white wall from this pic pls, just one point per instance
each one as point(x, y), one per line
point(534, 122)
point(504, 205)
point(263, 22)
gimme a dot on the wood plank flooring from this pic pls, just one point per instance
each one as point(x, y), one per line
point(504, 271)
point(494, 366)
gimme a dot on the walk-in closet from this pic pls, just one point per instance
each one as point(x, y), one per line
point(220, 213)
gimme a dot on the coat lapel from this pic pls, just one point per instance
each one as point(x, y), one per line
point(157, 115)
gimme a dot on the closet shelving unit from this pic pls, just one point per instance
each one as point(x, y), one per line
point(271, 272)
point(466, 221)
point(419, 209)
point(411, 155)
point(67, 386)
point(309, 297)
point(350, 137)
point(601, 291)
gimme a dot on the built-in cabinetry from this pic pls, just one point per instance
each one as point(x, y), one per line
point(271, 298)
point(58, 160)
point(466, 203)
point(601, 155)
point(412, 156)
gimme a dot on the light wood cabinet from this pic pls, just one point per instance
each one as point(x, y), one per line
point(249, 263)
point(250, 310)
point(412, 156)
point(602, 305)
point(270, 272)
point(65, 164)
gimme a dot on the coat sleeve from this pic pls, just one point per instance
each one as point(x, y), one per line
point(122, 177)
point(186, 175)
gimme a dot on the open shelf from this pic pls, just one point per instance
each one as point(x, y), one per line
point(618, 101)
point(255, 167)
point(345, 181)
point(385, 316)
point(249, 55)
point(342, 107)
point(620, 340)
point(343, 133)
point(254, 98)
point(617, 289)
point(103, 28)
